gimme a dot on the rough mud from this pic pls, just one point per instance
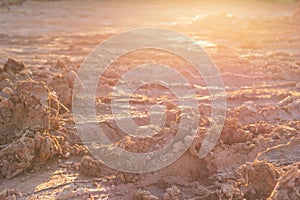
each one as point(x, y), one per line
point(288, 185)
point(255, 48)
point(26, 123)
point(260, 179)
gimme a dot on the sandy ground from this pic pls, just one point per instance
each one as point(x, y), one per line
point(256, 47)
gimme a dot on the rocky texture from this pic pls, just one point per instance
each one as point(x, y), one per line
point(26, 121)
point(260, 179)
point(256, 156)
point(288, 186)
point(13, 65)
point(10, 194)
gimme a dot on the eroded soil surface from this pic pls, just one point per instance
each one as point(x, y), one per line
point(256, 48)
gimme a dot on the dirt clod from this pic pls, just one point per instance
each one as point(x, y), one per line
point(288, 185)
point(260, 179)
point(172, 193)
point(13, 66)
point(90, 166)
point(26, 117)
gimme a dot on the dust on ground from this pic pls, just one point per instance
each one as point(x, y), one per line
point(255, 46)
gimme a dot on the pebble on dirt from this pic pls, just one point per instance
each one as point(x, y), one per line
point(13, 65)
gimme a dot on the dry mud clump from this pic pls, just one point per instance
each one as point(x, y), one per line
point(28, 116)
point(263, 180)
point(264, 136)
point(288, 186)
point(260, 179)
point(10, 194)
point(62, 83)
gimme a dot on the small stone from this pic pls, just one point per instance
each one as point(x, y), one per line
point(4, 75)
point(8, 91)
point(61, 64)
point(77, 166)
point(5, 83)
point(13, 65)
